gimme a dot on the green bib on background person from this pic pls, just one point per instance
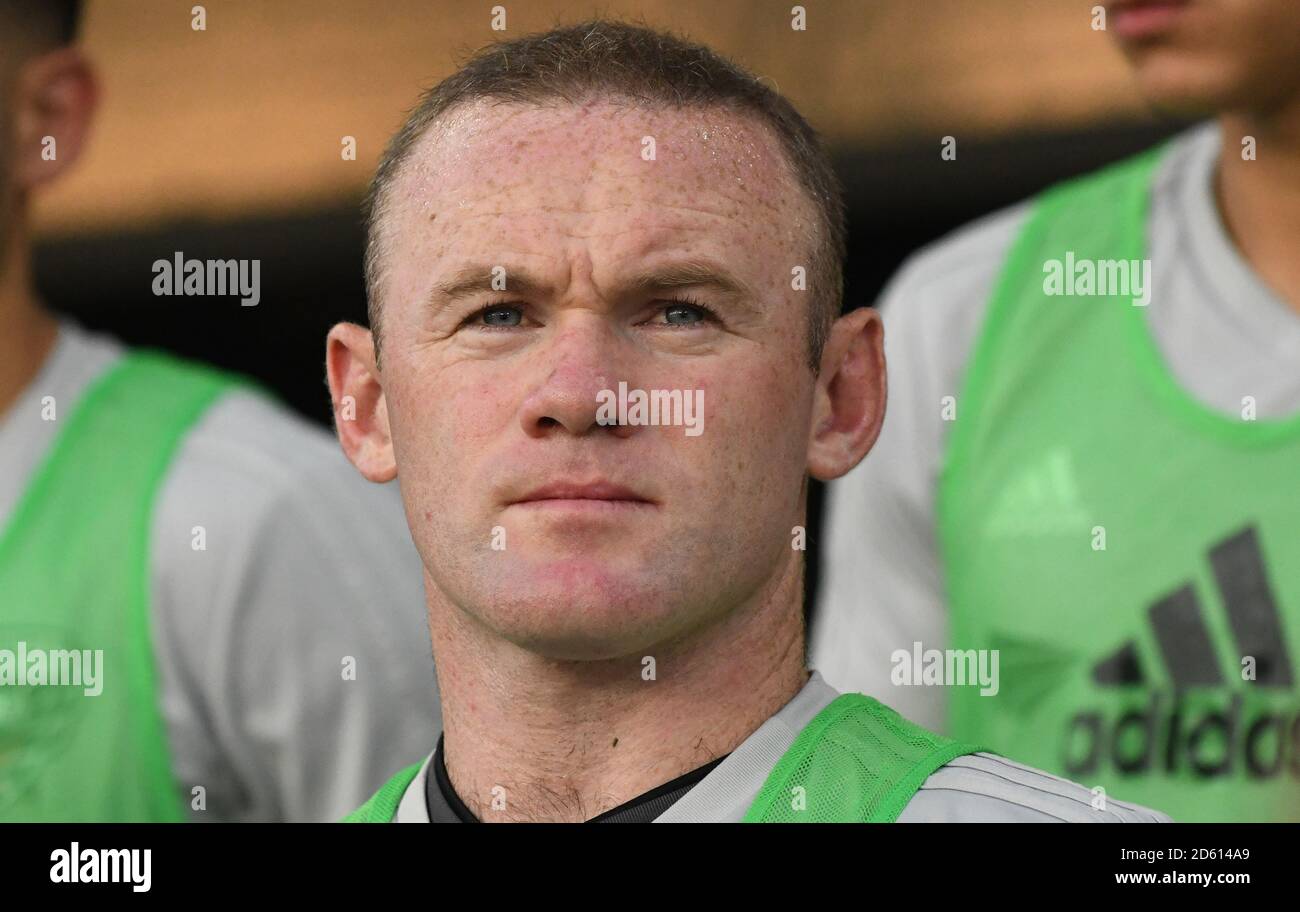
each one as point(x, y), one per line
point(1133, 555)
point(75, 576)
point(857, 761)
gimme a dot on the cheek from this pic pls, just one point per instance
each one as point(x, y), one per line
point(476, 408)
point(754, 436)
point(770, 396)
point(443, 420)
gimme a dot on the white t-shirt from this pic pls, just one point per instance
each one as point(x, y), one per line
point(306, 563)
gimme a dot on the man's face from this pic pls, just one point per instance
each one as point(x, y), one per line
point(608, 539)
point(1198, 57)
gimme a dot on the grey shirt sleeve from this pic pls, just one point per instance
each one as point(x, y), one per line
point(305, 567)
point(986, 788)
point(882, 584)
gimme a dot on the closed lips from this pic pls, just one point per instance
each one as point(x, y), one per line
point(598, 491)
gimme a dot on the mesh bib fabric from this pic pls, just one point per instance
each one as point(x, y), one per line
point(1128, 551)
point(382, 806)
point(858, 761)
point(74, 580)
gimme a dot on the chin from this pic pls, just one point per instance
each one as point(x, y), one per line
point(584, 609)
point(1178, 87)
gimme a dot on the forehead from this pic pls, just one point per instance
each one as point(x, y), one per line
point(523, 175)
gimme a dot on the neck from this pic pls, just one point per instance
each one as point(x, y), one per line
point(1260, 199)
point(528, 738)
point(27, 332)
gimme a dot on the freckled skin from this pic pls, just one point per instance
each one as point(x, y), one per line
point(481, 414)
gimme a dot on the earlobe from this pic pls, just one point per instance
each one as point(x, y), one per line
point(849, 407)
point(360, 409)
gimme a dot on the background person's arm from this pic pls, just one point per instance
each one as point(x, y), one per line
point(305, 563)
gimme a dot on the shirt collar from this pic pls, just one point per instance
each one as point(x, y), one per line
point(725, 794)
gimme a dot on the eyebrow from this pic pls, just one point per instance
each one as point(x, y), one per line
point(689, 273)
point(476, 278)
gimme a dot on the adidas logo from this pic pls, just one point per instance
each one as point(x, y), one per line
point(1164, 734)
point(1043, 501)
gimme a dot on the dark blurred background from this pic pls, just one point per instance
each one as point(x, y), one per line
point(225, 143)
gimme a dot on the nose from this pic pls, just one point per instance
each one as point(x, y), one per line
point(578, 362)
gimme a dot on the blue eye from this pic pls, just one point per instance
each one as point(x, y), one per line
point(683, 314)
point(501, 315)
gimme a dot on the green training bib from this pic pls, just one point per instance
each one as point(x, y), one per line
point(81, 735)
point(857, 761)
point(1133, 555)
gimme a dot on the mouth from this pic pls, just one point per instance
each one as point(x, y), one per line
point(1137, 20)
point(596, 496)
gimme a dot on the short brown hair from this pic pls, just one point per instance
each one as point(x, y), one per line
point(603, 58)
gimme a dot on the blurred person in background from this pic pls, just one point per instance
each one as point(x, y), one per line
point(1092, 467)
point(255, 607)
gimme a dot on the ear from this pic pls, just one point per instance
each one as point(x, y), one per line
point(54, 98)
point(360, 412)
point(849, 405)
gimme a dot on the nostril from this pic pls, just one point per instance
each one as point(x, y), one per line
point(547, 422)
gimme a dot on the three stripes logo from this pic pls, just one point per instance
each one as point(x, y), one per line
point(1211, 739)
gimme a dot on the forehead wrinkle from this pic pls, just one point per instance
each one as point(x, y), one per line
point(530, 208)
point(728, 210)
point(728, 203)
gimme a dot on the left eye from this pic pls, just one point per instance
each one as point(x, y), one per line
point(683, 314)
point(501, 315)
